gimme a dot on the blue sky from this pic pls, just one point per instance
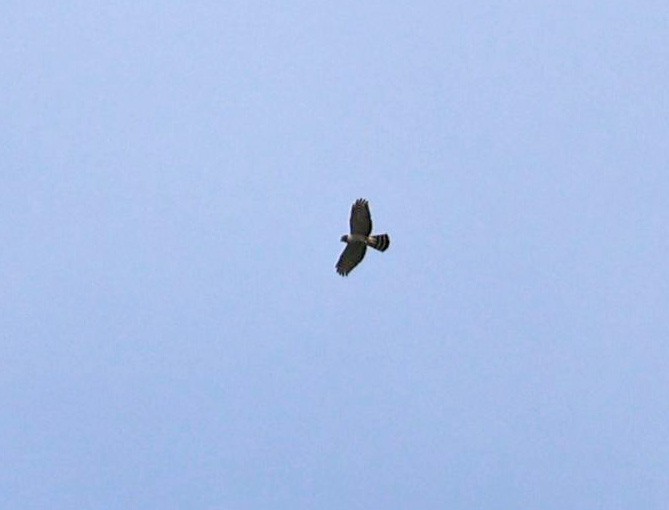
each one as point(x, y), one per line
point(175, 180)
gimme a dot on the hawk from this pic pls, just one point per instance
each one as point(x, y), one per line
point(359, 238)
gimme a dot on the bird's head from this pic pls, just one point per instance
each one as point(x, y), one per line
point(344, 238)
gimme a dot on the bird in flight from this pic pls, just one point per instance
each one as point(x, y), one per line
point(359, 238)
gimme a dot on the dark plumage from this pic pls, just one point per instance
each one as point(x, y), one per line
point(359, 238)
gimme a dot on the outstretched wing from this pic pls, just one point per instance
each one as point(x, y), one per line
point(361, 219)
point(350, 257)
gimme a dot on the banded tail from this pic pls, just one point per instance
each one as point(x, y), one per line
point(380, 242)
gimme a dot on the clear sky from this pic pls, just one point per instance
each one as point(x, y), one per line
point(175, 178)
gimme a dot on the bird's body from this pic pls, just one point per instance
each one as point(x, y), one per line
point(355, 238)
point(359, 238)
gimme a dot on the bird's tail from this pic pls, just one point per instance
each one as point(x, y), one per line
point(380, 242)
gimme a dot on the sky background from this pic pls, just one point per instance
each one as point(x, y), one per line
point(175, 177)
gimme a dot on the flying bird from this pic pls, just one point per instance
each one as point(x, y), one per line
point(359, 238)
